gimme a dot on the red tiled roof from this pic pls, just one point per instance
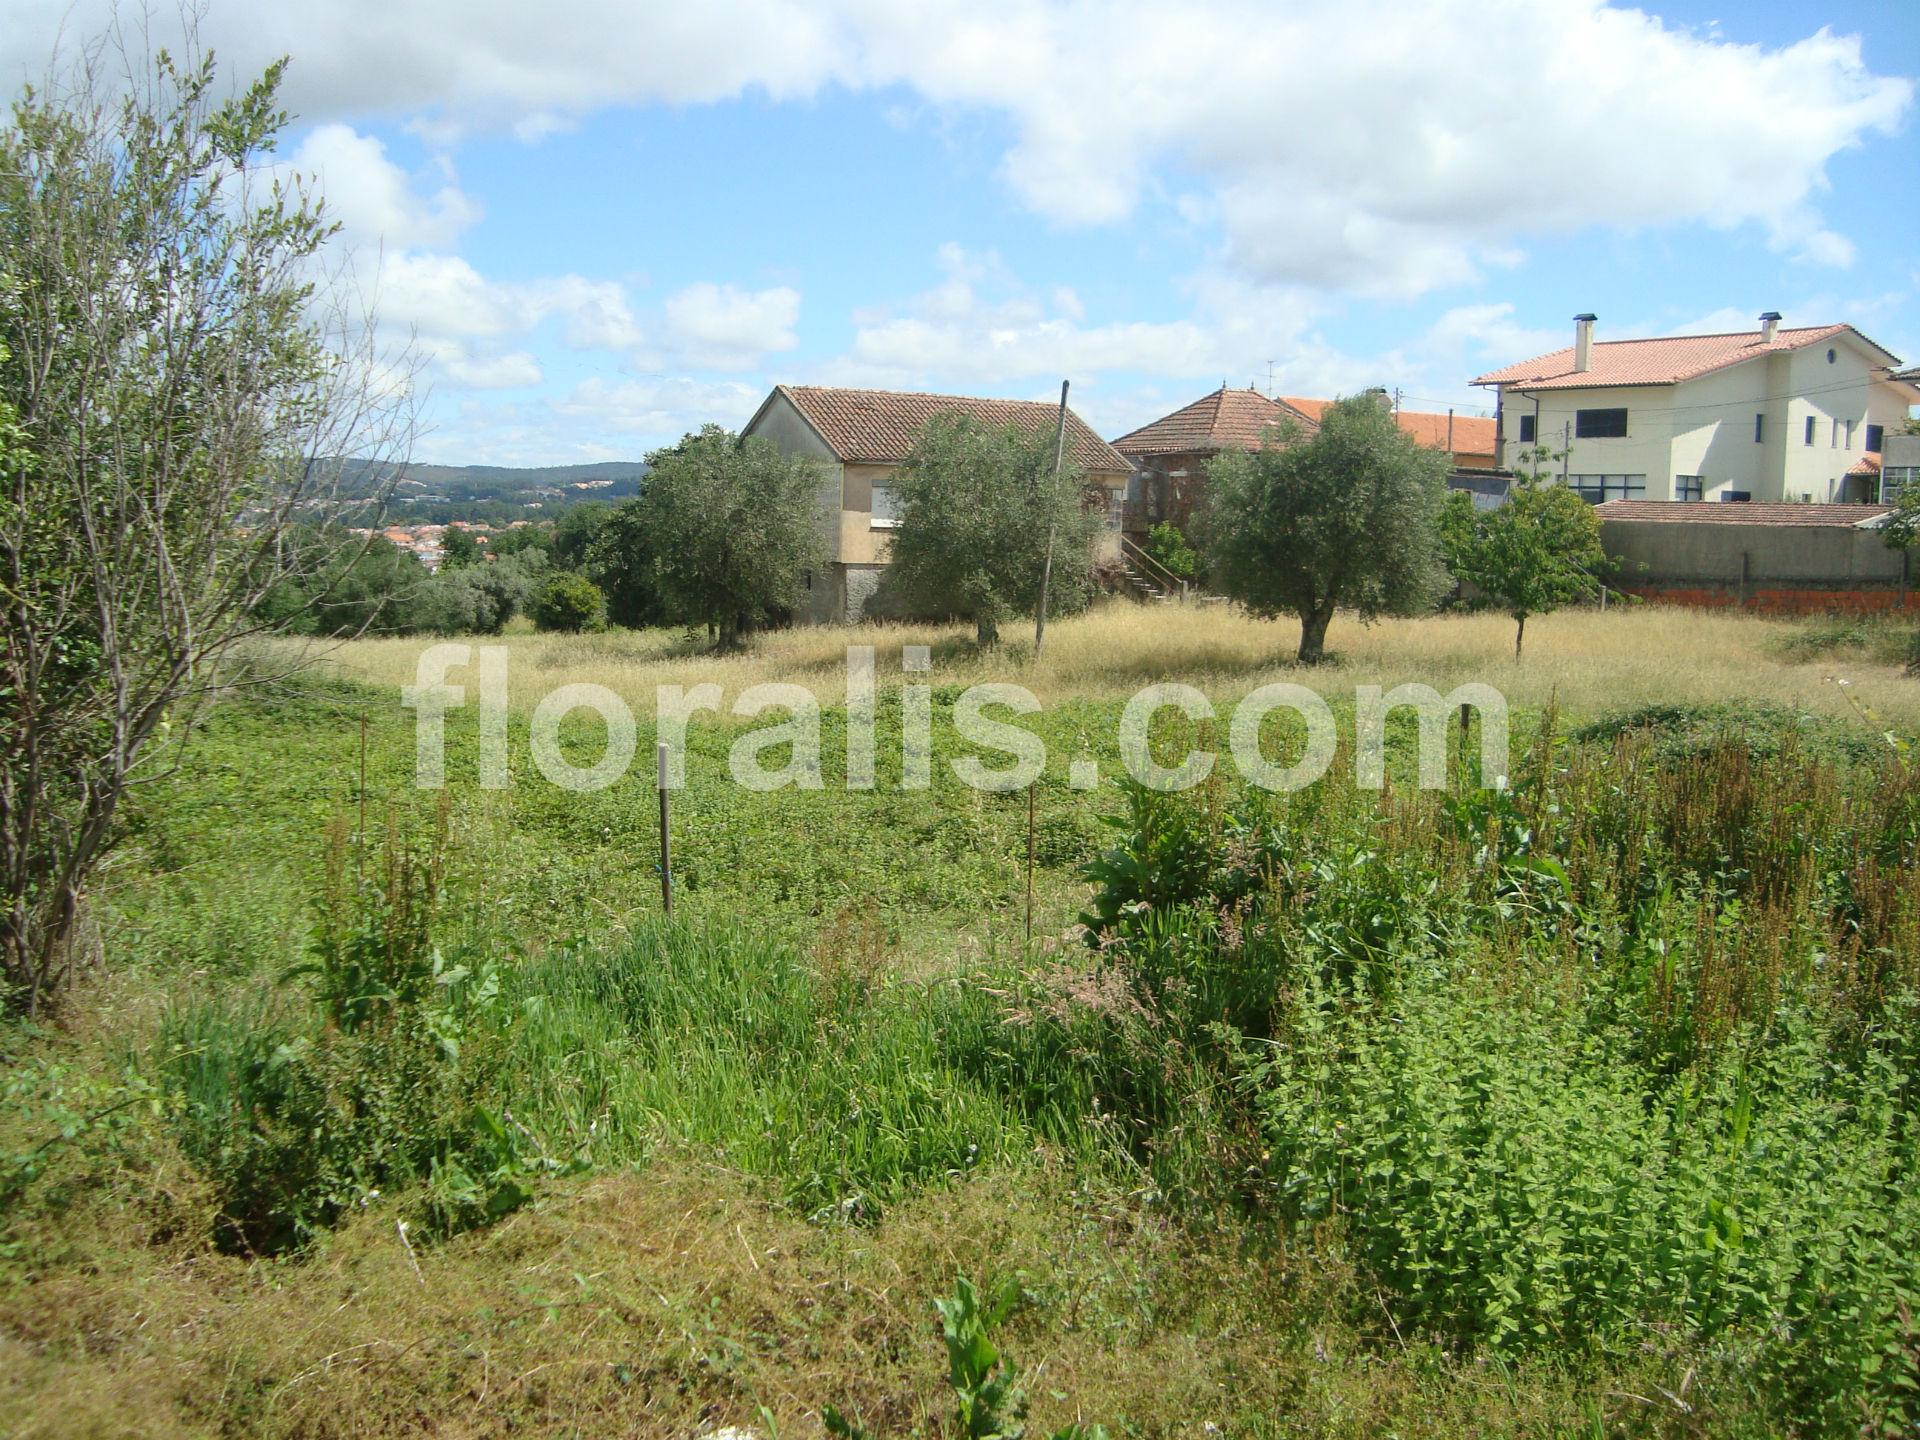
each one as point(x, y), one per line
point(1663, 361)
point(1869, 464)
point(1740, 513)
point(1472, 435)
point(1223, 420)
point(880, 426)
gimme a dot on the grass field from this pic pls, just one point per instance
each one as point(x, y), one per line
point(1591, 660)
point(1581, 1107)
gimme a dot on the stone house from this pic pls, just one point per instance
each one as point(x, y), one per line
point(860, 438)
point(1170, 456)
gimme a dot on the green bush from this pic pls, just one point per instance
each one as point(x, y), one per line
point(298, 1115)
point(1167, 545)
point(1626, 1046)
point(569, 602)
point(1514, 1175)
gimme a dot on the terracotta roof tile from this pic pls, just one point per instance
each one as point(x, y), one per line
point(1868, 464)
point(880, 426)
point(1472, 434)
point(1719, 512)
point(1663, 361)
point(1223, 420)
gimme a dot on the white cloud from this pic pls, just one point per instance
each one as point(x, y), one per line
point(660, 409)
point(374, 200)
point(980, 326)
point(1386, 146)
point(496, 372)
point(721, 327)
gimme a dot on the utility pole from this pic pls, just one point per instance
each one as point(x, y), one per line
point(1053, 501)
point(1269, 379)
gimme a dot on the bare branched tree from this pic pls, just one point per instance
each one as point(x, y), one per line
point(180, 388)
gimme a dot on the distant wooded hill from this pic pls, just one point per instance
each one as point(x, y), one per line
point(439, 493)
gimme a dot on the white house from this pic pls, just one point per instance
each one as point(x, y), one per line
point(1765, 414)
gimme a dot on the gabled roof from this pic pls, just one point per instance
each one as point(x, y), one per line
point(1223, 420)
point(1867, 464)
point(1664, 361)
point(1472, 434)
point(880, 426)
point(1719, 512)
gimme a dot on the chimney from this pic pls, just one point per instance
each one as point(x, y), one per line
point(1583, 342)
point(1769, 326)
point(1378, 394)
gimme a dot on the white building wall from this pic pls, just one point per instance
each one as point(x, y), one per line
point(1705, 427)
point(1643, 451)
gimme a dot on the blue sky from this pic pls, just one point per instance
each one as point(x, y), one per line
point(602, 224)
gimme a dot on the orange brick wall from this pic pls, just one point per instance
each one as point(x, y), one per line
point(1777, 599)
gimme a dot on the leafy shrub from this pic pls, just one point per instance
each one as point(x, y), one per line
point(1625, 1044)
point(296, 1123)
point(476, 599)
point(568, 602)
point(1513, 1175)
point(1167, 545)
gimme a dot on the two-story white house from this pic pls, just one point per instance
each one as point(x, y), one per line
point(1768, 414)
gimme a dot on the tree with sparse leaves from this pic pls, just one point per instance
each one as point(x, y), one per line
point(976, 506)
point(1532, 554)
point(170, 381)
point(1347, 517)
point(734, 528)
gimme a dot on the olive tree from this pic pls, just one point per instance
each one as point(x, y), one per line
point(976, 505)
point(619, 559)
point(1537, 551)
point(177, 393)
point(1348, 517)
point(734, 527)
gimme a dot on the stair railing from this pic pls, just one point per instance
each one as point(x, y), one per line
point(1155, 571)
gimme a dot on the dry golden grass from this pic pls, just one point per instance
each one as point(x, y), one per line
point(674, 1301)
point(1593, 661)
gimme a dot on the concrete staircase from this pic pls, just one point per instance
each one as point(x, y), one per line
point(1147, 579)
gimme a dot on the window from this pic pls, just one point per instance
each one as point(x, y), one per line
point(1597, 488)
point(1759, 429)
point(1830, 357)
point(1599, 424)
point(1895, 479)
point(1876, 438)
point(1809, 429)
point(1527, 429)
point(1849, 434)
point(1689, 487)
point(886, 509)
point(1835, 443)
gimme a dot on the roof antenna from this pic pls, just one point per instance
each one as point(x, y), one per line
point(1269, 379)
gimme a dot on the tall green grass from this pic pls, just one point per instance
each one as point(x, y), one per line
point(840, 1087)
point(1618, 1055)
